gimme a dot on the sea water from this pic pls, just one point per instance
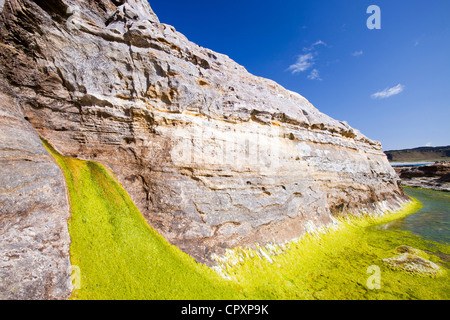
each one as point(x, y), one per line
point(432, 222)
point(410, 164)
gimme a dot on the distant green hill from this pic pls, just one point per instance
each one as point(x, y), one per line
point(419, 154)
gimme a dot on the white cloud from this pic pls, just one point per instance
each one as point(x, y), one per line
point(307, 60)
point(317, 43)
point(388, 92)
point(357, 53)
point(429, 144)
point(304, 62)
point(314, 75)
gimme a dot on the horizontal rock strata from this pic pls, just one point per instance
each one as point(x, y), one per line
point(213, 156)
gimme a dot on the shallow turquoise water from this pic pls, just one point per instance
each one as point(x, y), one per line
point(432, 222)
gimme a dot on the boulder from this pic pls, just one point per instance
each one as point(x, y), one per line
point(414, 261)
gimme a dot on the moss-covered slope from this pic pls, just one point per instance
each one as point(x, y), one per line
point(118, 254)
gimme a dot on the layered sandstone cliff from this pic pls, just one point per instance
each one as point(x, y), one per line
point(213, 156)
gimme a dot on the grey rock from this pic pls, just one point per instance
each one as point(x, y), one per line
point(34, 237)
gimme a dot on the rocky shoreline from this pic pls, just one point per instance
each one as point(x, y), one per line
point(434, 176)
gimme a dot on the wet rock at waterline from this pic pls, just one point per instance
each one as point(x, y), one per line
point(213, 156)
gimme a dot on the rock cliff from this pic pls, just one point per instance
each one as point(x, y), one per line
point(213, 156)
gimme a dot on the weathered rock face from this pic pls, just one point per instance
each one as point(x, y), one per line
point(34, 237)
point(213, 156)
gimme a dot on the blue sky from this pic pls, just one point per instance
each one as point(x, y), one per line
point(393, 84)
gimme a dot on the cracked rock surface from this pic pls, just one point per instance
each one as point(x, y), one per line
point(34, 237)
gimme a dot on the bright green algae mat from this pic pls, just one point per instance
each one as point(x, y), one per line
point(338, 264)
point(121, 257)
